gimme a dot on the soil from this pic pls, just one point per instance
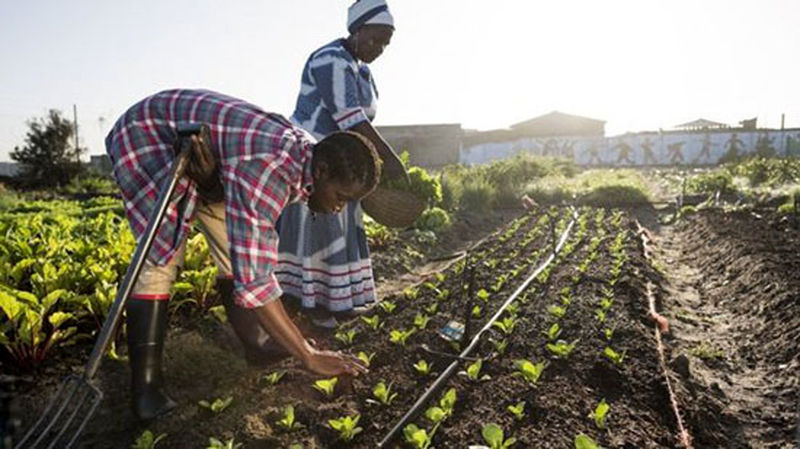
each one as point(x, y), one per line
point(722, 279)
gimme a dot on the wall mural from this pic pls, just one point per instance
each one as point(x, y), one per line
point(645, 148)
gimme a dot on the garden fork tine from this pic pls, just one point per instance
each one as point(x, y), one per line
point(87, 393)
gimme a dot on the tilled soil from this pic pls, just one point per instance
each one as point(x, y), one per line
point(734, 303)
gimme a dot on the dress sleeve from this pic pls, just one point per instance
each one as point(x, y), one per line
point(258, 194)
point(337, 84)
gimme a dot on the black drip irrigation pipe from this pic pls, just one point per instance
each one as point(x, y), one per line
point(446, 374)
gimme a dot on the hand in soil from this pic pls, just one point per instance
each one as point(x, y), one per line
point(330, 363)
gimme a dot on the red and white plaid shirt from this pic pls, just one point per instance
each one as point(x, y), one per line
point(265, 164)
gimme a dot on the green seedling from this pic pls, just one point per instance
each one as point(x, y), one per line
point(443, 294)
point(499, 345)
point(273, 377)
point(530, 371)
point(431, 309)
point(599, 414)
point(608, 333)
point(366, 358)
point(561, 348)
point(613, 355)
point(512, 310)
point(421, 321)
point(417, 438)
point(448, 401)
point(473, 372)
point(347, 426)
point(423, 368)
point(600, 315)
point(214, 443)
point(553, 332)
point(411, 293)
point(346, 337)
point(493, 436)
point(288, 421)
point(400, 337)
point(483, 295)
point(217, 405)
point(506, 325)
point(706, 351)
point(387, 306)
point(606, 303)
point(436, 414)
point(557, 311)
point(517, 410)
point(583, 441)
point(566, 296)
point(476, 312)
point(440, 277)
point(374, 322)
point(383, 393)
point(147, 440)
point(218, 312)
point(326, 386)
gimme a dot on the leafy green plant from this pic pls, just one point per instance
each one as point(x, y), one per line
point(411, 293)
point(442, 294)
point(273, 377)
point(431, 309)
point(499, 345)
point(387, 306)
point(600, 315)
point(557, 311)
point(288, 422)
point(483, 295)
point(613, 355)
point(326, 386)
point(583, 441)
point(347, 426)
point(422, 368)
point(530, 371)
point(366, 358)
point(416, 437)
point(608, 333)
point(374, 322)
point(552, 332)
point(383, 393)
point(448, 401)
point(216, 406)
point(346, 337)
point(561, 348)
point(494, 437)
point(473, 372)
point(476, 311)
point(147, 440)
point(518, 410)
point(599, 414)
point(421, 321)
point(399, 336)
point(506, 325)
point(214, 443)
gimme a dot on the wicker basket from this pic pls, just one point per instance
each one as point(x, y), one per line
point(394, 208)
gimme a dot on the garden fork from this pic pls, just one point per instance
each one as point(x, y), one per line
point(77, 399)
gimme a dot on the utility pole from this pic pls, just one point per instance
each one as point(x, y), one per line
point(783, 118)
point(75, 125)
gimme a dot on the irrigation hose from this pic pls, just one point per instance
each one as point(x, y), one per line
point(451, 369)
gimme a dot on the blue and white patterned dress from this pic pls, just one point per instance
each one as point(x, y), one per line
point(323, 258)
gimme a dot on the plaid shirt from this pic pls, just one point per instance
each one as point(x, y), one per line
point(265, 164)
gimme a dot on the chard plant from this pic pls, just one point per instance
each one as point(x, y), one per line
point(557, 311)
point(273, 377)
point(217, 405)
point(566, 296)
point(431, 309)
point(483, 295)
point(517, 410)
point(288, 422)
point(147, 440)
point(561, 349)
point(600, 315)
point(346, 337)
point(421, 321)
point(553, 332)
point(613, 355)
point(387, 306)
point(411, 293)
point(583, 441)
point(326, 386)
point(422, 368)
point(374, 322)
point(347, 426)
point(476, 311)
point(494, 437)
point(506, 325)
point(442, 295)
point(530, 371)
point(416, 437)
point(606, 303)
point(608, 333)
point(399, 336)
point(383, 393)
point(500, 346)
point(599, 414)
point(473, 372)
point(366, 358)
point(214, 443)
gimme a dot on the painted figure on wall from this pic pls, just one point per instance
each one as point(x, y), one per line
point(625, 151)
point(764, 146)
point(734, 146)
point(647, 152)
point(568, 149)
point(705, 150)
point(594, 155)
point(675, 152)
point(550, 148)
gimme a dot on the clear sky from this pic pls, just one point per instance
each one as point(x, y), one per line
point(638, 64)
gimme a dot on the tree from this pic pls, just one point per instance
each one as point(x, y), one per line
point(48, 158)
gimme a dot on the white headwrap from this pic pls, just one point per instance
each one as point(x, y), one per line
point(368, 12)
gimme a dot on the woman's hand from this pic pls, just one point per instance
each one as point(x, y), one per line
point(330, 363)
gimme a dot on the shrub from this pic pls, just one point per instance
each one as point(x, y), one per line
point(433, 219)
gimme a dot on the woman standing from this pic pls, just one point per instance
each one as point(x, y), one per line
point(324, 260)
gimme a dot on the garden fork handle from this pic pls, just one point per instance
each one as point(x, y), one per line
point(140, 255)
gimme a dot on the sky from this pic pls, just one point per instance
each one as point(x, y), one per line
point(638, 65)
